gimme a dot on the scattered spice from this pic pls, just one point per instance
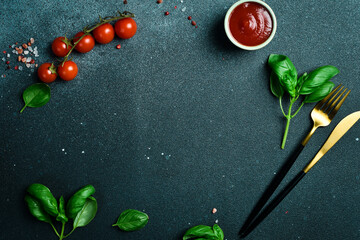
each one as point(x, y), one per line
point(193, 23)
point(189, 17)
point(118, 46)
point(214, 210)
point(159, 1)
point(24, 53)
point(167, 13)
point(125, 2)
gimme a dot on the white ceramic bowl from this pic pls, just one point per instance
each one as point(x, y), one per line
point(234, 41)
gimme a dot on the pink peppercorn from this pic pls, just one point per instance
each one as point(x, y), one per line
point(8, 62)
point(167, 13)
point(189, 17)
point(193, 23)
point(118, 46)
point(16, 67)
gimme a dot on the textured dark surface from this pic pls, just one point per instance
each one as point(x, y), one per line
point(178, 121)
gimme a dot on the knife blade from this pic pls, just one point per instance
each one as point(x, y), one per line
point(341, 128)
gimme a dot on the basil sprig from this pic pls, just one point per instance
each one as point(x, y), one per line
point(284, 79)
point(204, 232)
point(131, 220)
point(82, 207)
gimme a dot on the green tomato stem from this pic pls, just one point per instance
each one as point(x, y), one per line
point(288, 117)
point(102, 21)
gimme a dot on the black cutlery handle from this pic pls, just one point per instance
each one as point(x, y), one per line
point(272, 187)
point(272, 205)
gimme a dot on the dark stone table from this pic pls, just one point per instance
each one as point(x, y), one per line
point(178, 121)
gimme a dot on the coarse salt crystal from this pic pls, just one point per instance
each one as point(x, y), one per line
point(28, 65)
point(3, 59)
point(26, 52)
point(13, 46)
point(183, 9)
point(30, 49)
point(20, 68)
point(8, 55)
point(28, 59)
point(14, 51)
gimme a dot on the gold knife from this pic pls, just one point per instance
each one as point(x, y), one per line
point(339, 131)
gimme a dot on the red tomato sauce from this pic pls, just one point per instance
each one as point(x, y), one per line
point(250, 24)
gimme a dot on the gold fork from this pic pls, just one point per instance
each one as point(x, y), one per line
point(324, 111)
point(322, 114)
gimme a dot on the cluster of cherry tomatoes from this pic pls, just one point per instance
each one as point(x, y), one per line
point(124, 28)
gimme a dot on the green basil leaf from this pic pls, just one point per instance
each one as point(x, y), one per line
point(218, 232)
point(77, 201)
point(200, 231)
point(131, 220)
point(319, 92)
point(86, 214)
point(301, 81)
point(36, 95)
point(286, 72)
point(61, 217)
point(45, 198)
point(317, 78)
point(36, 210)
point(275, 85)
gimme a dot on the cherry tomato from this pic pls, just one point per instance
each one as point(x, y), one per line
point(86, 44)
point(125, 28)
point(47, 72)
point(59, 47)
point(104, 33)
point(68, 71)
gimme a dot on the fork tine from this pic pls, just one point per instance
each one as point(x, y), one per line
point(326, 106)
point(335, 110)
point(321, 103)
point(328, 110)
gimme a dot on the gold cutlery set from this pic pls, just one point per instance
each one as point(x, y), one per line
point(322, 115)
